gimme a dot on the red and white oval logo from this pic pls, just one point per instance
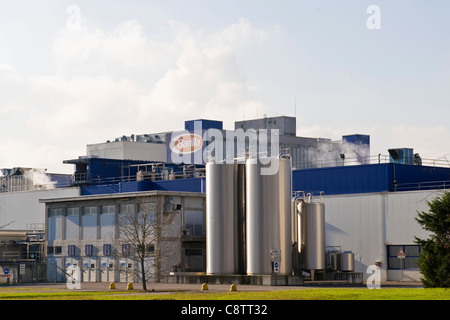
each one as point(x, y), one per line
point(186, 143)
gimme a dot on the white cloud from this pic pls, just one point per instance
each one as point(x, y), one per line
point(109, 83)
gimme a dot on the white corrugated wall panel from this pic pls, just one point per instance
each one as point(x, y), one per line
point(353, 223)
point(401, 226)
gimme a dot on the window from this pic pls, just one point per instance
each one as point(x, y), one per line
point(89, 223)
point(107, 222)
point(126, 249)
point(90, 210)
point(72, 224)
point(56, 212)
point(55, 224)
point(106, 249)
point(149, 248)
point(409, 262)
point(89, 250)
point(127, 208)
point(54, 250)
point(109, 209)
point(73, 211)
point(193, 260)
point(194, 223)
point(71, 250)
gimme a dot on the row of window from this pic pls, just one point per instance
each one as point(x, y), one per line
point(89, 250)
point(91, 210)
point(193, 220)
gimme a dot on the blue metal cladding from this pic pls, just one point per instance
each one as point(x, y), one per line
point(110, 170)
point(358, 139)
point(413, 177)
point(342, 180)
point(187, 185)
point(205, 124)
point(180, 185)
point(100, 189)
point(369, 178)
point(331, 180)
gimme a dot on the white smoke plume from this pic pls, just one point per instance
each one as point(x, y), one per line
point(330, 154)
point(40, 179)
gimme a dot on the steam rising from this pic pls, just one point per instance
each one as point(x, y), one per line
point(337, 154)
point(39, 179)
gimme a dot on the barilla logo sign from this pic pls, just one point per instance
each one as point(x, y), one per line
point(186, 143)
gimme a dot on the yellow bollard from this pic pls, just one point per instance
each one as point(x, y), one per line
point(233, 287)
point(205, 286)
point(112, 285)
point(130, 286)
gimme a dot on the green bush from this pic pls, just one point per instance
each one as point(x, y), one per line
point(434, 261)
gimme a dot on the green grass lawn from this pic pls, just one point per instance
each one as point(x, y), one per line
point(303, 294)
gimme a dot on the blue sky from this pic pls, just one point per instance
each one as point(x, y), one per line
point(146, 66)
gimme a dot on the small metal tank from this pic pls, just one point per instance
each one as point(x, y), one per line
point(311, 234)
point(333, 261)
point(347, 259)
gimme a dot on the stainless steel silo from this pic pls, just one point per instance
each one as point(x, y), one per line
point(285, 218)
point(257, 225)
point(221, 219)
point(311, 234)
point(268, 217)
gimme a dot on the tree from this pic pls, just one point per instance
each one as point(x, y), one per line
point(147, 233)
point(434, 261)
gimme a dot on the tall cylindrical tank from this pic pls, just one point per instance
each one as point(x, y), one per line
point(311, 227)
point(258, 251)
point(220, 219)
point(268, 216)
point(285, 192)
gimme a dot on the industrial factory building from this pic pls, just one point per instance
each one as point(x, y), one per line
point(85, 232)
point(305, 152)
point(329, 212)
point(22, 220)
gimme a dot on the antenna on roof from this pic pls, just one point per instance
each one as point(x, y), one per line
point(295, 107)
